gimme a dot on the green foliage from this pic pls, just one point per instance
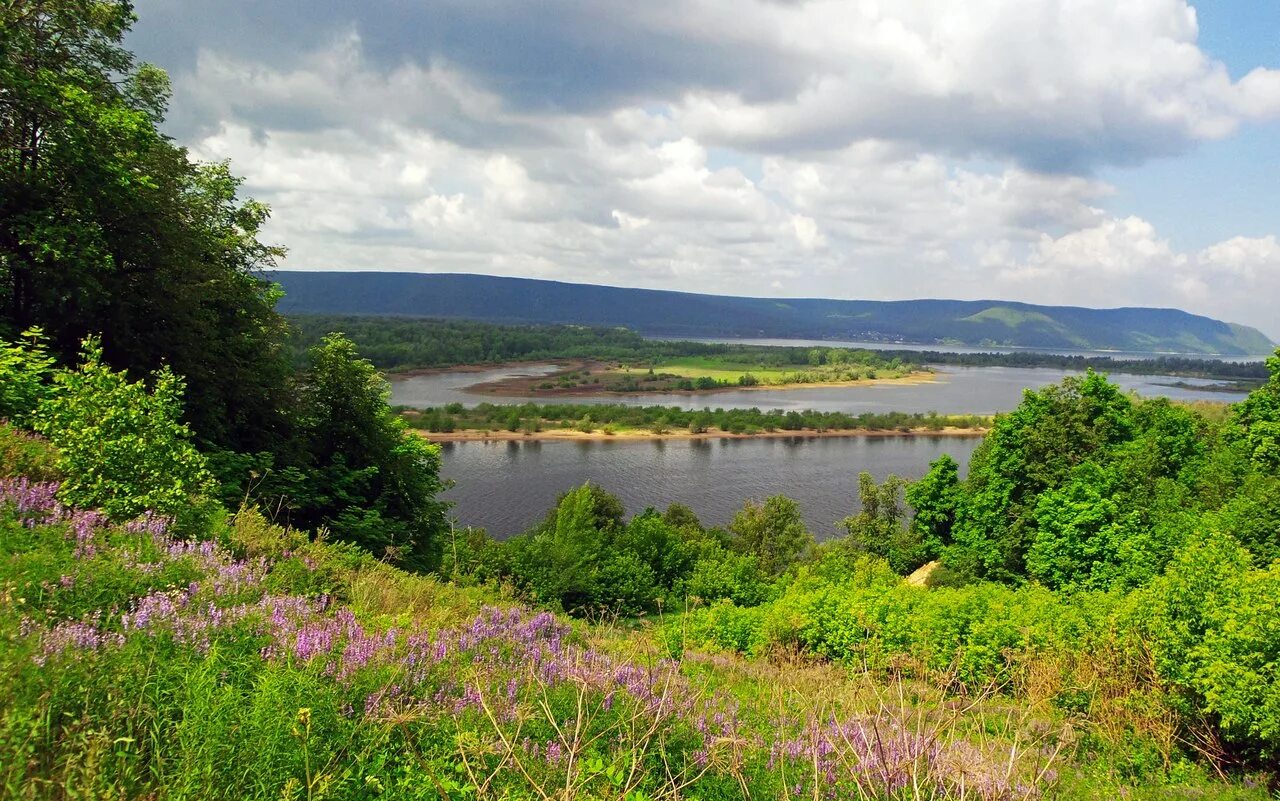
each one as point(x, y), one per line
point(490, 416)
point(25, 370)
point(1031, 449)
point(773, 532)
point(735, 577)
point(1238, 672)
point(586, 559)
point(935, 498)
point(366, 478)
point(1213, 631)
point(1256, 420)
point(107, 228)
point(122, 448)
point(1253, 518)
point(878, 528)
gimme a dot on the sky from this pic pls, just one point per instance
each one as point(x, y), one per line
point(1082, 152)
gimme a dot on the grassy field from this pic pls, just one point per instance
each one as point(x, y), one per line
point(712, 367)
point(732, 371)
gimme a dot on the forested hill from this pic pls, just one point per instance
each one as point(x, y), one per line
point(990, 323)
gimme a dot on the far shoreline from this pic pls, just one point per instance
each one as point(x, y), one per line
point(641, 435)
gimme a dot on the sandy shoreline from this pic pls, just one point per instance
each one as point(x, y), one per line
point(568, 434)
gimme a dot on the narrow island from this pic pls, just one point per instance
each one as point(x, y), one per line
point(568, 421)
point(741, 369)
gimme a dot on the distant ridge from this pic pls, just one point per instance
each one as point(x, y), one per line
point(661, 312)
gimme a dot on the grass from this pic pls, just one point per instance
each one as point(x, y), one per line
point(262, 664)
point(719, 369)
point(731, 371)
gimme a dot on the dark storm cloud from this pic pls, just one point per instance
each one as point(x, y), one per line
point(562, 55)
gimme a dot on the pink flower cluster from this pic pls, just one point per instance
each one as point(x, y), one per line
point(36, 504)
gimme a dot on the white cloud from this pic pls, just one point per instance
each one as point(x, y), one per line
point(891, 149)
point(1048, 82)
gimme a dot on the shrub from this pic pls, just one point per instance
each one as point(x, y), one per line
point(773, 531)
point(1238, 662)
point(121, 447)
point(24, 375)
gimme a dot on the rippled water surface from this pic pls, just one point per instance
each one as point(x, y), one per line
point(507, 486)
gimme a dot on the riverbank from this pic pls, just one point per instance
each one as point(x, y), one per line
point(569, 434)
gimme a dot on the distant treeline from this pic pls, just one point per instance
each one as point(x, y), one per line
point(1159, 365)
point(398, 343)
point(533, 417)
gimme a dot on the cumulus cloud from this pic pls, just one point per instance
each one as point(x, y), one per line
point(831, 147)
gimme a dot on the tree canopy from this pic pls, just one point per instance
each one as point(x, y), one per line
point(109, 228)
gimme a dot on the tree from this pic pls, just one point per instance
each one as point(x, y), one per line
point(934, 499)
point(1028, 451)
point(367, 478)
point(25, 367)
point(1256, 420)
point(773, 531)
point(107, 228)
point(878, 528)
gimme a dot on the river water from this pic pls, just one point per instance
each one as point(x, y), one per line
point(956, 390)
point(507, 486)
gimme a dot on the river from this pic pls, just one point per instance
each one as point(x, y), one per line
point(507, 486)
point(956, 390)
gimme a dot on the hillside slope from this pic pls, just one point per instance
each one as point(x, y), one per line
point(522, 300)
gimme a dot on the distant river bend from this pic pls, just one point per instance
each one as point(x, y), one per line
point(956, 390)
point(507, 486)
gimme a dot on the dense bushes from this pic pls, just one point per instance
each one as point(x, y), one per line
point(862, 613)
point(586, 559)
point(363, 477)
point(119, 445)
point(1084, 487)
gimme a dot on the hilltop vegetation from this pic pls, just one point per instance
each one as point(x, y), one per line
point(222, 577)
point(279, 665)
point(929, 322)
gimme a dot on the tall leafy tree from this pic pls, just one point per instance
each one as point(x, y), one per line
point(878, 527)
point(1030, 450)
point(934, 498)
point(365, 477)
point(1257, 421)
point(107, 227)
